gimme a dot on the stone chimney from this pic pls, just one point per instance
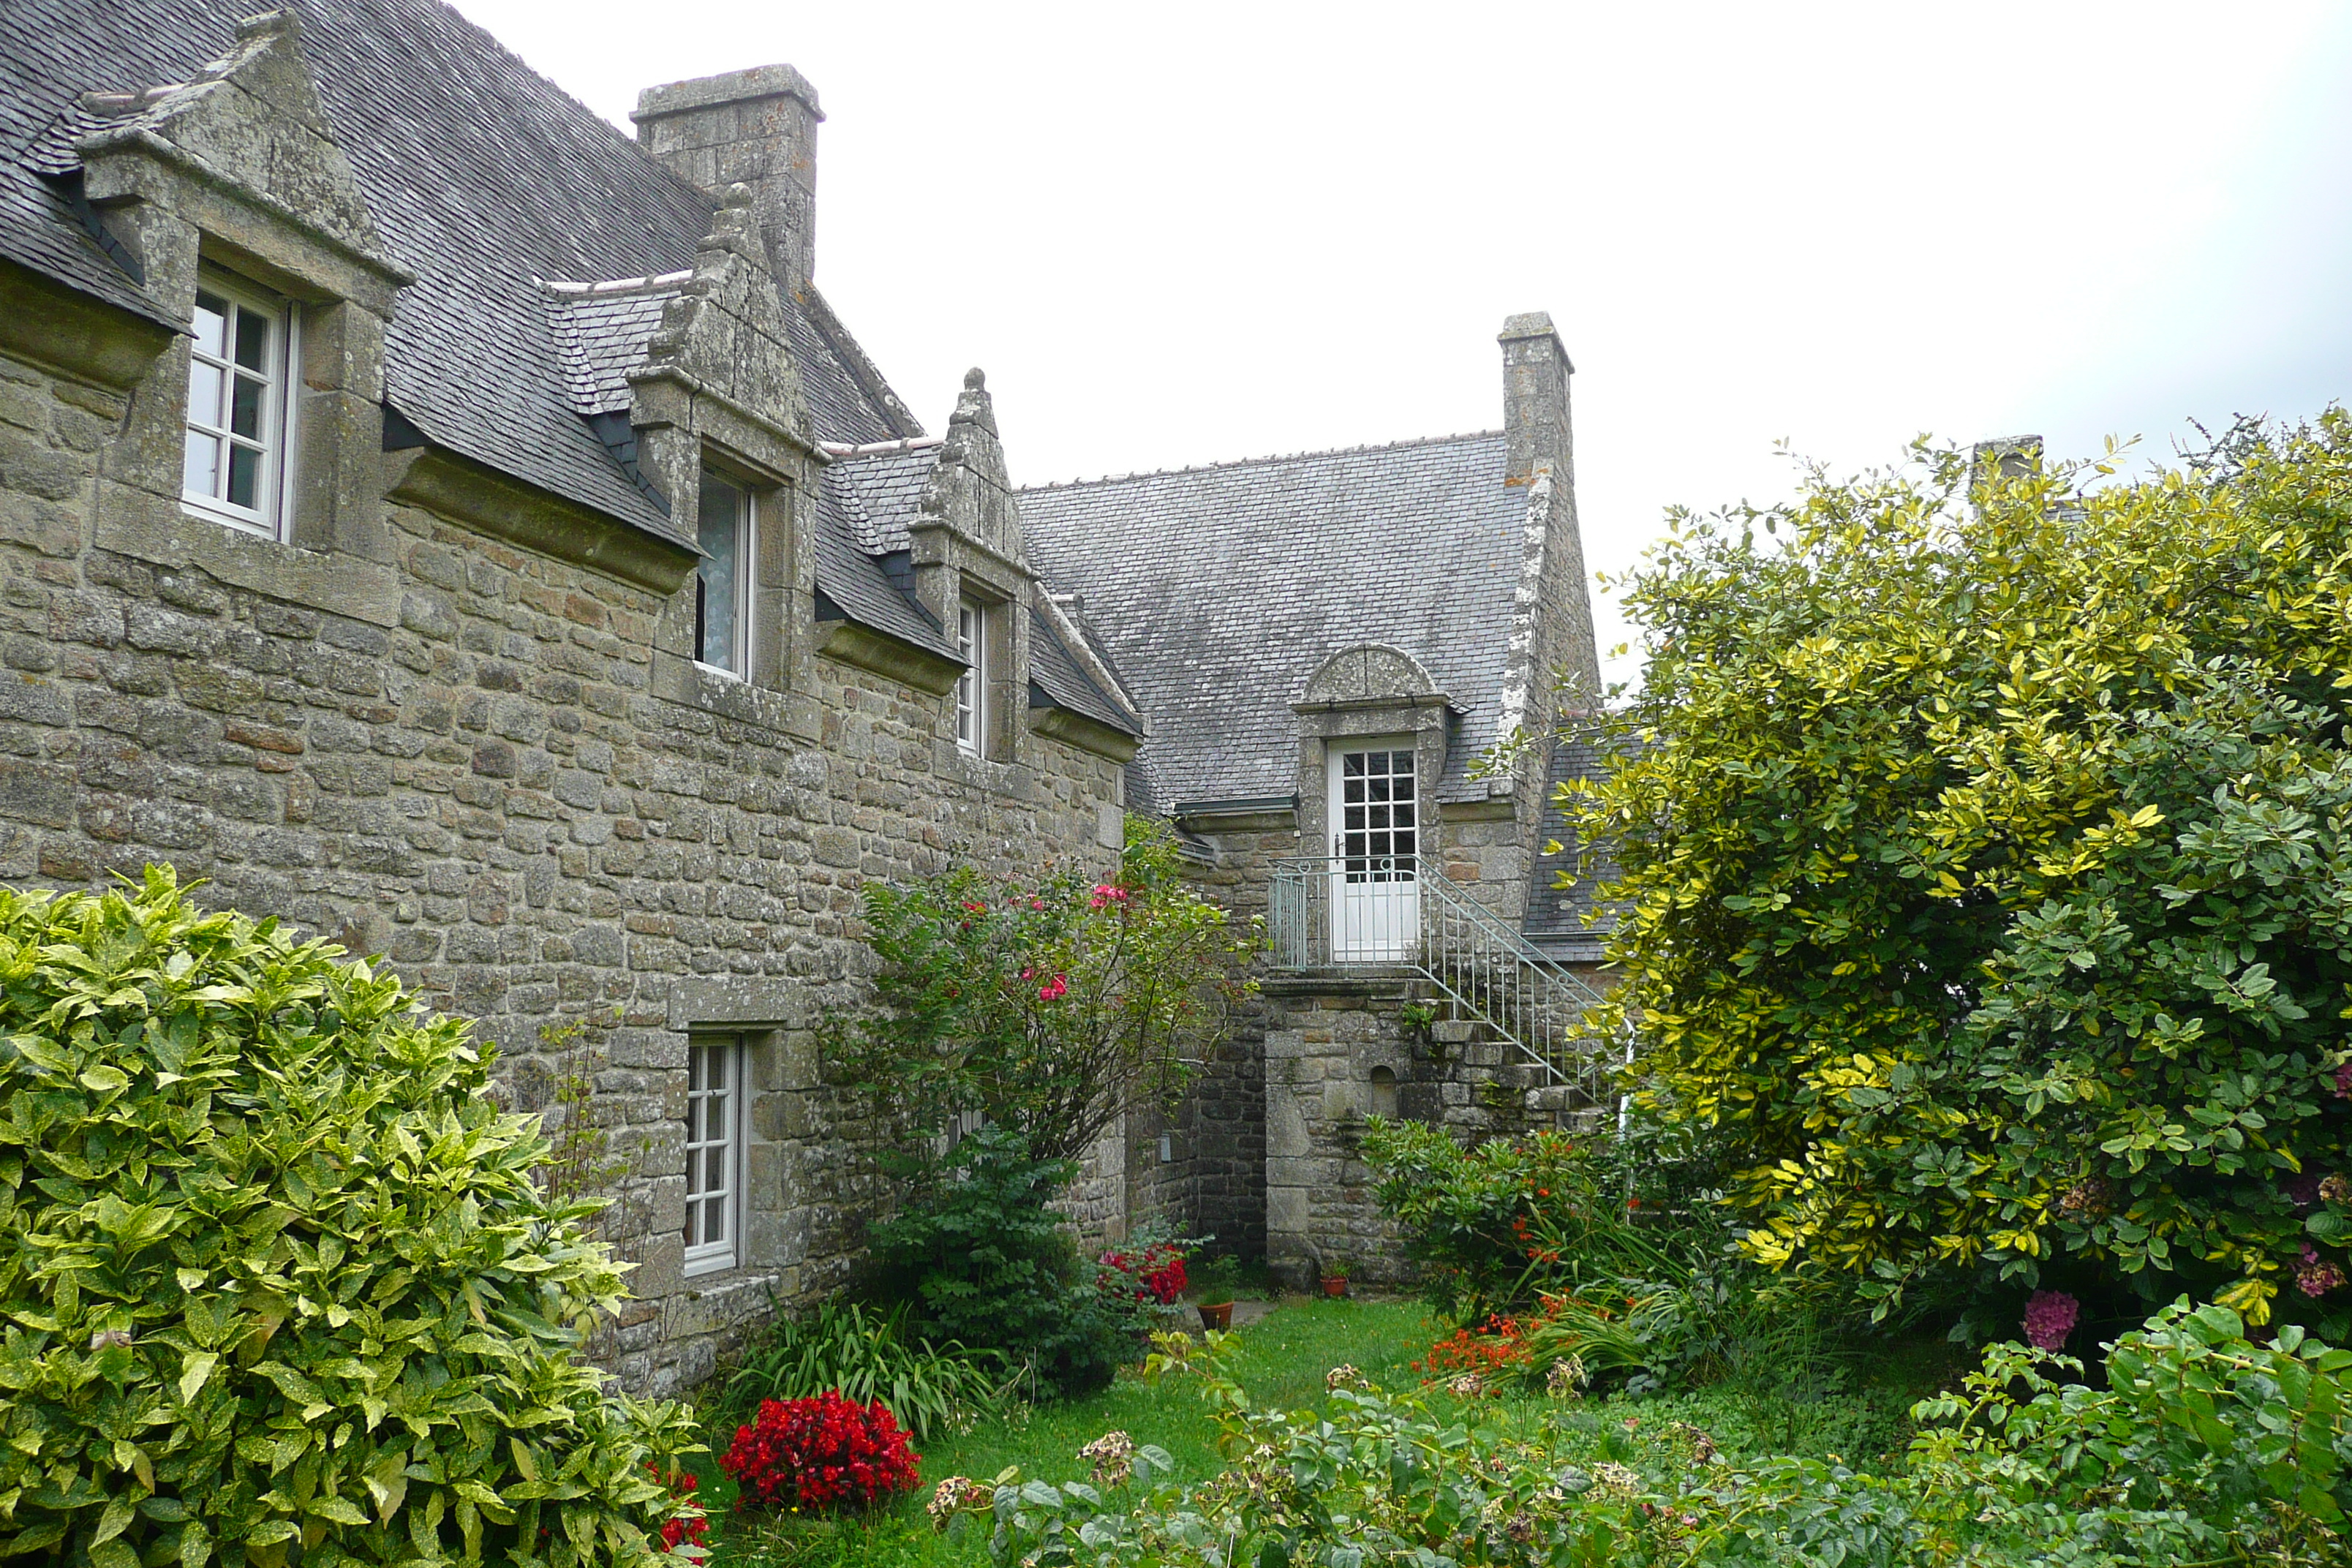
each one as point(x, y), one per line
point(755, 126)
point(1535, 399)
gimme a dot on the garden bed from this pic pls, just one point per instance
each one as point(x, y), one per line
point(1284, 1360)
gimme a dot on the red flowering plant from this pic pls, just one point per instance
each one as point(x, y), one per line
point(826, 1454)
point(1049, 1007)
point(683, 1534)
point(1148, 1271)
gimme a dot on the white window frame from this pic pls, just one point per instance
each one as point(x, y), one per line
point(721, 1130)
point(275, 481)
point(971, 686)
point(747, 571)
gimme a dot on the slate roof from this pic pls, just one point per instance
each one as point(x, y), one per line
point(1570, 922)
point(1054, 667)
point(1218, 590)
point(482, 177)
point(601, 332)
point(857, 584)
point(881, 491)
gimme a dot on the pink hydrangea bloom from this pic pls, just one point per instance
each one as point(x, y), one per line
point(2316, 1276)
point(2050, 1317)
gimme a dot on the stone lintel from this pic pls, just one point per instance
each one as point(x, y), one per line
point(1493, 808)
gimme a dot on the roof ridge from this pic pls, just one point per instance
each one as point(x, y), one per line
point(565, 290)
point(840, 450)
point(1268, 458)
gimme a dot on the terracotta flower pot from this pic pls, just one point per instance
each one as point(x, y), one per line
point(1219, 1317)
point(1335, 1285)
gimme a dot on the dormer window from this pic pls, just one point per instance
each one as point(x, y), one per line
point(722, 582)
point(972, 690)
point(234, 469)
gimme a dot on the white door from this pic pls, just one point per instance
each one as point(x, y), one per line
point(1375, 848)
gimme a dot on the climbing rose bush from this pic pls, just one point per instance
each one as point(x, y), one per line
point(826, 1454)
point(280, 1285)
point(1050, 1005)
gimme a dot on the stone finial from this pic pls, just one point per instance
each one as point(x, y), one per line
point(974, 407)
point(1536, 369)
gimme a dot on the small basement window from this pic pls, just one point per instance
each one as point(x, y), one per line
point(234, 466)
point(714, 1152)
point(1384, 1102)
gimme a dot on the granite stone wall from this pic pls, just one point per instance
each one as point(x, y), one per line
point(463, 755)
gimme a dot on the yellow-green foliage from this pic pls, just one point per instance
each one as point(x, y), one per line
point(1986, 881)
point(277, 1284)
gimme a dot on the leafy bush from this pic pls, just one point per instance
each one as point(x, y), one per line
point(1497, 1224)
point(1984, 873)
point(983, 1262)
point(826, 1454)
point(1052, 1008)
point(2204, 1448)
point(867, 1355)
point(280, 1284)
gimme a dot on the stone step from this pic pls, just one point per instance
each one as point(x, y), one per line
point(1458, 1031)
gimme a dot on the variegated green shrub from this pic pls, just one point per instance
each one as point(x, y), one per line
point(279, 1285)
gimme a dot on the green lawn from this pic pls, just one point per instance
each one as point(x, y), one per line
point(1283, 1360)
point(1282, 1363)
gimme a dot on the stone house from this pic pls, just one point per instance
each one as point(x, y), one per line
point(437, 519)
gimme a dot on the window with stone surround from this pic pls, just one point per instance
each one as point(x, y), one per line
point(234, 466)
point(714, 1152)
point(972, 688)
point(723, 580)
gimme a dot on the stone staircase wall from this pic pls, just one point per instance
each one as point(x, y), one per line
point(1328, 1032)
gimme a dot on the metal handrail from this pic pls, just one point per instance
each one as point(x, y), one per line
point(1337, 911)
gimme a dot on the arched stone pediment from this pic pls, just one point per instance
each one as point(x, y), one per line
point(1371, 673)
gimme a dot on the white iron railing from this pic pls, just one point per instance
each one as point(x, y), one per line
point(1333, 911)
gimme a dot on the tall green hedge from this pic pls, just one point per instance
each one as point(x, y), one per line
point(278, 1286)
point(1987, 873)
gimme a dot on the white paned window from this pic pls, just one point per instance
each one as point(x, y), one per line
point(1378, 826)
point(235, 464)
point(714, 1152)
point(722, 582)
point(972, 690)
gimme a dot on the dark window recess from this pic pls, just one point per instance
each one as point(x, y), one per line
point(899, 566)
point(617, 436)
point(70, 190)
point(399, 433)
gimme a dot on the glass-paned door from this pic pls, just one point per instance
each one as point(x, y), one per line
point(1375, 848)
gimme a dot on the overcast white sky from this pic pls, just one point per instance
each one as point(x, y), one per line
point(1175, 234)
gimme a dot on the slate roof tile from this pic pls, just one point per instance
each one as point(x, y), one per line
point(1218, 590)
point(1054, 668)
